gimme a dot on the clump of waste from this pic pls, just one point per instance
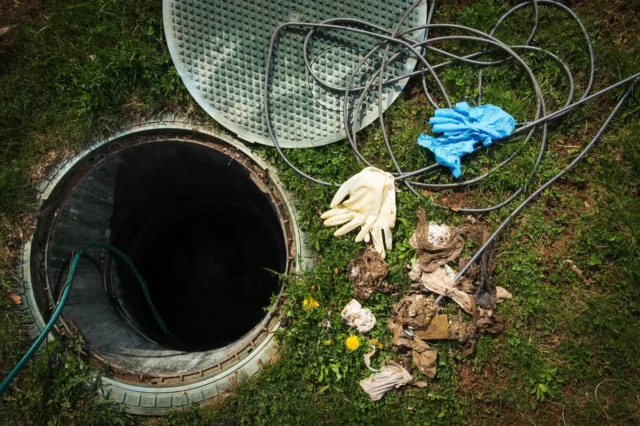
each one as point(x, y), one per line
point(436, 244)
point(354, 315)
point(416, 320)
point(391, 376)
point(367, 273)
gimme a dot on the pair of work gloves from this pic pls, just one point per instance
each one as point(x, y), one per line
point(367, 200)
point(464, 130)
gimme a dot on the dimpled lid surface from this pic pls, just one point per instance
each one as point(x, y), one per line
point(220, 50)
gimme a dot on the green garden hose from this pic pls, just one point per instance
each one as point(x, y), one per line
point(63, 298)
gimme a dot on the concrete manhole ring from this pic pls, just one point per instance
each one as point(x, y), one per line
point(205, 221)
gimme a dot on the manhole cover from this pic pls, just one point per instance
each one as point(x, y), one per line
point(219, 49)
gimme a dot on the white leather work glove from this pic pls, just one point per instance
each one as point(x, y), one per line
point(368, 192)
point(385, 221)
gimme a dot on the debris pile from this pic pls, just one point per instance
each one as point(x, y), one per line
point(437, 245)
point(415, 319)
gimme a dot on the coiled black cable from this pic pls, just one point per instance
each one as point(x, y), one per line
point(416, 49)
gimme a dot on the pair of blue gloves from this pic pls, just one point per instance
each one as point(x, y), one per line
point(464, 130)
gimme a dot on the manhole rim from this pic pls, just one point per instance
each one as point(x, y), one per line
point(183, 389)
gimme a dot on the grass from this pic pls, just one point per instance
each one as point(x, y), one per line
point(568, 355)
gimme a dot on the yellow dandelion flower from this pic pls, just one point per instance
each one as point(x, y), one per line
point(376, 343)
point(313, 287)
point(310, 303)
point(352, 343)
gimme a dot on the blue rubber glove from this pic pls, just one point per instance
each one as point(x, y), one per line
point(464, 130)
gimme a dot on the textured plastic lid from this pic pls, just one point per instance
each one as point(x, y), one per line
point(220, 47)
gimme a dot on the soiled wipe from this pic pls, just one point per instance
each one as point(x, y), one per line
point(354, 315)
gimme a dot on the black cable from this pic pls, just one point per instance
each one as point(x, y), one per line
point(410, 48)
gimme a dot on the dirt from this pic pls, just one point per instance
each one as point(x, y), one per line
point(22, 11)
point(618, 19)
point(555, 250)
point(457, 200)
point(468, 379)
point(42, 169)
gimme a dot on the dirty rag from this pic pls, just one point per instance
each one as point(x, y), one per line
point(463, 130)
point(441, 281)
point(354, 315)
point(367, 273)
point(391, 376)
point(461, 330)
point(436, 244)
point(486, 294)
point(424, 357)
point(414, 310)
point(486, 321)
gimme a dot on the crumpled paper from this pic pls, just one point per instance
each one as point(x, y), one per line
point(354, 315)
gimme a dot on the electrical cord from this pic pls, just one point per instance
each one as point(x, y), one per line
point(63, 299)
point(417, 49)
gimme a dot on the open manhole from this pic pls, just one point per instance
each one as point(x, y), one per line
point(209, 228)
